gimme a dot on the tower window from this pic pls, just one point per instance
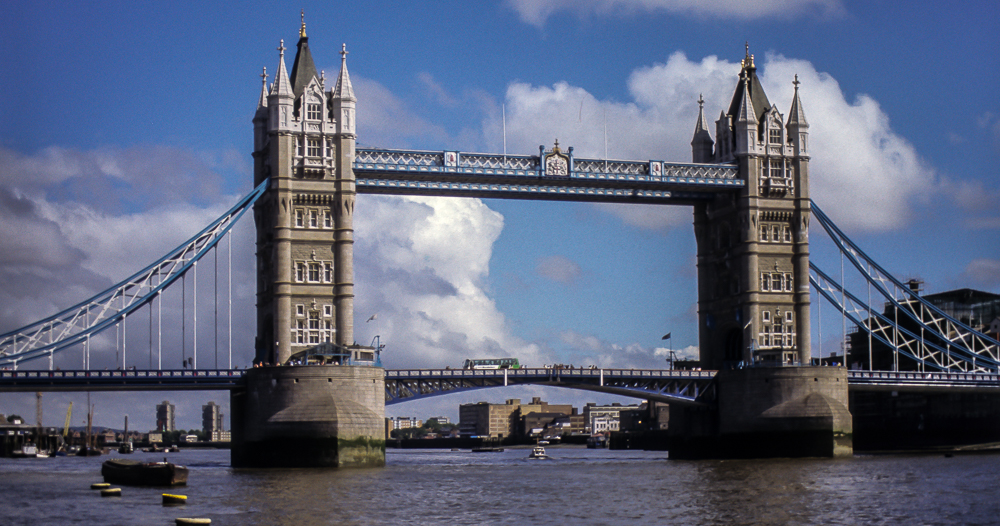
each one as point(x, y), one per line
point(313, 272)
point(777, 169)
point(314, 148)
point(327, 272)
point(313, 219)
point(775, 136)
point(300, 310)
point(327, 310)
point(313, 326)
point(328, 219)
point(313, 112)
point(300, 272)
point(299, 217)
point(299, 333)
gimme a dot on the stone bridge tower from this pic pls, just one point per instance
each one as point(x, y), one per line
point(304, 139)
point(753, 246)
point(330, 413)
point(753, 295)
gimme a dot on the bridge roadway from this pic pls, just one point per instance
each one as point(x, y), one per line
point(402, 385)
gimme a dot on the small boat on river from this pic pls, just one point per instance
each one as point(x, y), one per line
point(26, 451)
point(131, 472)
point(538, 452)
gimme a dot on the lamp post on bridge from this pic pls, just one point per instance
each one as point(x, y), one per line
point(670, 350)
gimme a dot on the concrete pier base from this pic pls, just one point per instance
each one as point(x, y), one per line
point(309, 416)
point(767, 413)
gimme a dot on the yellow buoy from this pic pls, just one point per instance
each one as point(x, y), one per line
point(192, 521)
point(100, 485)
point(174, 499)
point(111, 492)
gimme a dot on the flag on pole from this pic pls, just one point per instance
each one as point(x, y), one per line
point(667, 337)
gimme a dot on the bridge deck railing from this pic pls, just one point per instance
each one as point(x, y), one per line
point(126, 375)
point(535, 372)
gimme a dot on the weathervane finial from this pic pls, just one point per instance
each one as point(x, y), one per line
point(302, 30)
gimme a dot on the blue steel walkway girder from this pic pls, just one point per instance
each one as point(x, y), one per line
point(131, 380)
point(456, 174)
point(668, 386)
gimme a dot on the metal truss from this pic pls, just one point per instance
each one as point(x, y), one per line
point(669, 386)
point(939, 341)
point(923, 381)
point(523, 177)
point(77, 324)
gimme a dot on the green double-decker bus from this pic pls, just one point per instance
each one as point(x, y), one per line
point(492, 363)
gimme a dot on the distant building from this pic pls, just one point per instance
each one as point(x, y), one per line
point(484, 419)
point(165, 417)
point(440, 419)
point(211, 421)
point(405, 422)
point(512, 418)
point(977, 309)
point(605, 418)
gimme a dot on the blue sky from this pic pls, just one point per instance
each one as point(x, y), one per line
point(128, 128)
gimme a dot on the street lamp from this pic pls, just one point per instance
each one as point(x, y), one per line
point(671, 357)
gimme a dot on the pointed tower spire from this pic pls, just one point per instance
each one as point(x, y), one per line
point(701, 143)
point(303, 69)
point(746, 110)
point(745, 126)
point(797, 127)
point(260, 117)
point(795, 115)
point(343, 89)
point(262, 102)
point(281, 87)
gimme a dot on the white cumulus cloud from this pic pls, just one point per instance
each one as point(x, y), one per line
point(862, 173)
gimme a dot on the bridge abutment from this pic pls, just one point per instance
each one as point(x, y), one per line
point(309, 416)
point(768, 412)
point(889, 420)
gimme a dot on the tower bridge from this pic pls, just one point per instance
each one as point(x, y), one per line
point(749, 190)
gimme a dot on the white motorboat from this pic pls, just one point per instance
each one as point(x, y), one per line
point(538, 452)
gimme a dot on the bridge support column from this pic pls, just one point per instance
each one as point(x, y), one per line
point(768, 412)
point(309, 416)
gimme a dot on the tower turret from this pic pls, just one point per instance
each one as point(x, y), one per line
point(280, 100)
point(797, 127)
point(701, 143)
point(343, 107)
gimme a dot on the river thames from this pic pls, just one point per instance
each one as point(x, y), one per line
point(577, 486)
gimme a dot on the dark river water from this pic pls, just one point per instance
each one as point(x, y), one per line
point(577, 486)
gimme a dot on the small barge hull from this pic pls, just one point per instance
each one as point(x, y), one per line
point(133, 473)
